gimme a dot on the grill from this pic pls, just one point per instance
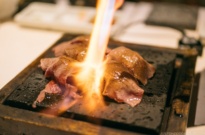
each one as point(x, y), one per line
point(164, 107)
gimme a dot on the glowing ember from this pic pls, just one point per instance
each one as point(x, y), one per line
point(89, 79)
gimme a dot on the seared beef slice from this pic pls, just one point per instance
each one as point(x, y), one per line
point(140, 68)
point(120, 85)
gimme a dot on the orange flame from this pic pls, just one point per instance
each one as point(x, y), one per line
point(89, 79)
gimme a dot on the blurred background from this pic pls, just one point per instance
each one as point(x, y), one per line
point(92, 2)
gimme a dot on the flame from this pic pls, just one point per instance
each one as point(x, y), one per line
point(118, 4)
point(90, 77)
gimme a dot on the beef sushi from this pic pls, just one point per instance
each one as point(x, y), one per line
point(124, 70)
point(121, 85)
point(139, 67)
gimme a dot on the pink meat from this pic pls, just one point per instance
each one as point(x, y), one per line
point(51, 88)
point(68, 91)
point(75, 48)
point(47, 62)
point(78, 41)
point(60, 68)
point(120, 85)
point(139, 67)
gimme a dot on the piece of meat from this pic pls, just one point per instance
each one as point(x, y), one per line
point(51, 88)
point(78, 41)
point(75, 48)
point(47, 62)
point(68, 91)
point(76, 52)
point(120, 85)
point(60, 69)
point(140, 68)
